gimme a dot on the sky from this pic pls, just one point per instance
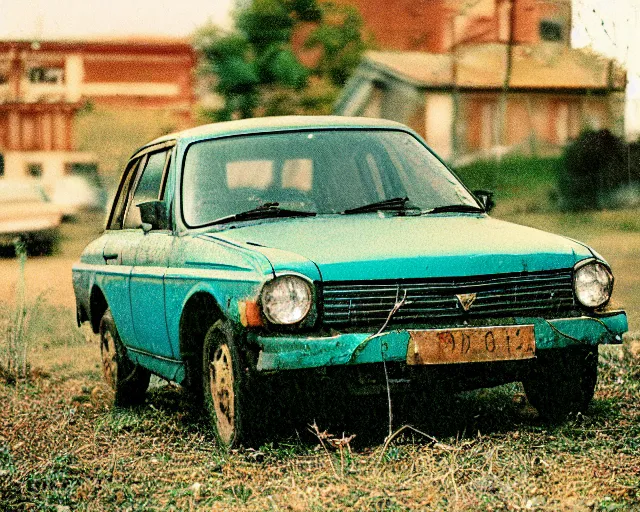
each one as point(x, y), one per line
point(610, 26)
point(50, 19)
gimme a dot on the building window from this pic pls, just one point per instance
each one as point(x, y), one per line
point(42, 75)
point(1, 165)
point(34, 170)
point(550, 31)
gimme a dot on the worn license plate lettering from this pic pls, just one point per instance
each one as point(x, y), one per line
point(470, 345)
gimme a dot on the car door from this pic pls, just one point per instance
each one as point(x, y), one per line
point(119, 254)
point(146, 288)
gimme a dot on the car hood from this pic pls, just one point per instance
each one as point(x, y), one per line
point(359, 247)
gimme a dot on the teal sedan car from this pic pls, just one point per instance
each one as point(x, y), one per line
point(237, 253)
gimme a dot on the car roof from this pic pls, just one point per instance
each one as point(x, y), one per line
point(273, 124)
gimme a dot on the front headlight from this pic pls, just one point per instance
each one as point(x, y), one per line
point(286, 300)
point(593, 284)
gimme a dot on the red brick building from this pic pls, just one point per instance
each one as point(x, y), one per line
point(44, 84)
point(436, 26)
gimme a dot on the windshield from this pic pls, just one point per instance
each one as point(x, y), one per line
point(323, 171)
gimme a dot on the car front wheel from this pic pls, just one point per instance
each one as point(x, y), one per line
point(128, 380)
point(224, 379)
point(562, 381)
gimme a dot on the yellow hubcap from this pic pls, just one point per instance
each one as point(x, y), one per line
point(109, 361)
point(221, 384)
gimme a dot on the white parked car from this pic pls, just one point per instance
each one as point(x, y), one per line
point(72, 194)
point(27, 214)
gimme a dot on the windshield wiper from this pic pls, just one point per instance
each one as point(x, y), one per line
point(397, 203)
point(264, 211)
point(462, 208)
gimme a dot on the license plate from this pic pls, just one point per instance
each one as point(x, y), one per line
point(471, 345)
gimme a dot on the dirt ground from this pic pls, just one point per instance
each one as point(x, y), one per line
point(49, 277)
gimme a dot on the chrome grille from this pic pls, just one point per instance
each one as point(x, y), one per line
point(355, 303)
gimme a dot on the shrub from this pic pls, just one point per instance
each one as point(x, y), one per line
point(593, 168)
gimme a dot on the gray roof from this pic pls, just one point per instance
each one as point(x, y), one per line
point(541, 66)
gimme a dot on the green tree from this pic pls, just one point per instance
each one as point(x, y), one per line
point(340, 41)
point(255, 67)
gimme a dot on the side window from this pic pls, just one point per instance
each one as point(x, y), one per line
point(147, 188)
point(120, 202)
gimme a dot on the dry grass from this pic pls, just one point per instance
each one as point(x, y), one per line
point(61, 444)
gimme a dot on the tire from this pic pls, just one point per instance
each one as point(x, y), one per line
point(562, 381)
point(225, 379)
point(128, 380)
point(41, 244)
point(192, 384)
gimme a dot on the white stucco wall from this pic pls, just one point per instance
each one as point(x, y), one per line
point(439, 123)
point(74, 77)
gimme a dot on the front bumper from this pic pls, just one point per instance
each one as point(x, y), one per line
point(289, 352)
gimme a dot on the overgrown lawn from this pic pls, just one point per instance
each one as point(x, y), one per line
point(62, 444)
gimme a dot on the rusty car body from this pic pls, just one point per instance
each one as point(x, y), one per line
point(240, 251)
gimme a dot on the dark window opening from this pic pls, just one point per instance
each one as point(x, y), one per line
point(34, 170)
point(550, 31)
point(1, 165)
point(89, 169)
point(120, 203)
point(147, 188)
point(41, 75)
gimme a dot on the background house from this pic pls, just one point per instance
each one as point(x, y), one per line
point(494, 77)
point(437, 26)
point(57, 97)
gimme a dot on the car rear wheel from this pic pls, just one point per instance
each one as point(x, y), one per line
point(128, 380)
point(562, 381)
point(225, 382)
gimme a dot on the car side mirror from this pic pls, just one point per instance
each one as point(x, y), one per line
point(154, 214)
point(486, 199)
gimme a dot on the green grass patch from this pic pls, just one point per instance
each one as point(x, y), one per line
point(523, 184)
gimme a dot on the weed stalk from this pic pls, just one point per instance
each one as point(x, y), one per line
point(15, 364)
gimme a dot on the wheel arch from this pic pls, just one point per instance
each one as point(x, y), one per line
point(199, 313)
point(97, 306)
